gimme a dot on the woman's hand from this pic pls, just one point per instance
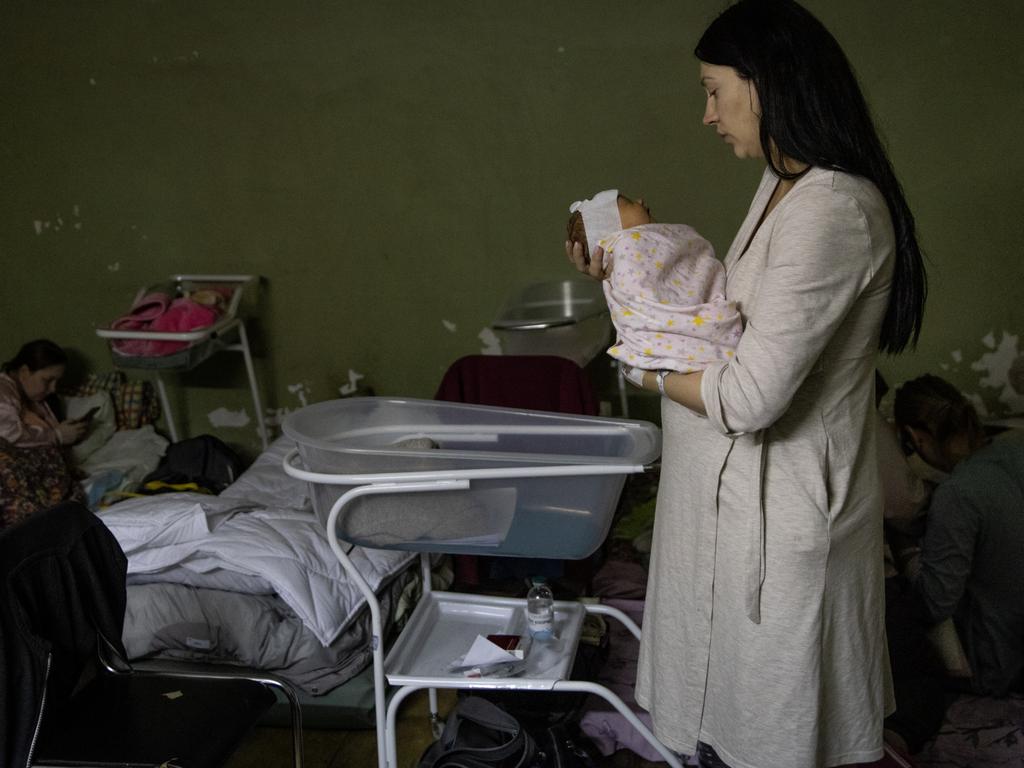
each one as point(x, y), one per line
point(72, 431)
point(683, 388)
point(594, 266)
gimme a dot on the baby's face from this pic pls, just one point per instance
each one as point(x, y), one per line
point(633, 213)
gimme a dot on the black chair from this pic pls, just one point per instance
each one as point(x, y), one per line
point(67, 694)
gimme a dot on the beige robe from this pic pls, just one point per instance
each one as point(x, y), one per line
point(764, 626)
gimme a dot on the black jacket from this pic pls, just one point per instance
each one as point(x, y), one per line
point(62, 580)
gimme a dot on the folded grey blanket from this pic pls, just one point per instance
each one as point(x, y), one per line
point(185, 623)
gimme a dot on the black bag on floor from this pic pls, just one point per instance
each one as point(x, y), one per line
point(479, 734)
point(563, 745)
point(204, 460)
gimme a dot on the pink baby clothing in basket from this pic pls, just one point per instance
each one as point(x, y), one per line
point(143, 312)
point(666, 295)
point(156, 311)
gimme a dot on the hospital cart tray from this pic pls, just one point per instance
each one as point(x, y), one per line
point(444, 625)
point(503, 481)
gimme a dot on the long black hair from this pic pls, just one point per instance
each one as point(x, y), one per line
point(38, 354)
point(813, 111)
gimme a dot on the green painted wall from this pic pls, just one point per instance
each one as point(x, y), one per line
point(395, 170)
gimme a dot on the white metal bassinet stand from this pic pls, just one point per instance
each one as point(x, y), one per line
point(200, 344)
point(444, 625)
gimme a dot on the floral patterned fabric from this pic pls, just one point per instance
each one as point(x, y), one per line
point(34, 479)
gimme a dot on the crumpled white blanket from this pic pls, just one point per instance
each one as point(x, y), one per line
point(229, 543)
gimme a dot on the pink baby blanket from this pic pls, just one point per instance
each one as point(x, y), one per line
point(157, 311)
point(666, 295)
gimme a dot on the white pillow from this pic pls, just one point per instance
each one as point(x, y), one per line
point(101, 427)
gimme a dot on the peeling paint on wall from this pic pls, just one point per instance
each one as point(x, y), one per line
point(492, 344)
point(299, 390)
point(997, 362)
point(43, 225)
point(222, 417)
point(275, 416)
point(978, 403)
point(448, 325)
point(353, 383)
point(997, 365)
point(998, 375)
point(1015, 375)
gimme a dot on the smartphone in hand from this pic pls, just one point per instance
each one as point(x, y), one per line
point(88, 416)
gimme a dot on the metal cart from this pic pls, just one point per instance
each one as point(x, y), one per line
point(432, 471)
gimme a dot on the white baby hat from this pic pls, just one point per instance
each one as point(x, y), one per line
point(600, 216)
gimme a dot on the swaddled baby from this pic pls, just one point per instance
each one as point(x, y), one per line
point(665, 288)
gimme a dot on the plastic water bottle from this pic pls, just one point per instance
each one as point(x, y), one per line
point(540, 609)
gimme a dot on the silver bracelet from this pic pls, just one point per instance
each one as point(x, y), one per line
point(661, 381)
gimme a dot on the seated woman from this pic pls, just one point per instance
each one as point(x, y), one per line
point(969, 566)
point(34, 471)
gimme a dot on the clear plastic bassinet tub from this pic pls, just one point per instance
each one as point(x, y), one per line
point(435, 476)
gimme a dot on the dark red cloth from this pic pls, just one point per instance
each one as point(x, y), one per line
point(537, 382)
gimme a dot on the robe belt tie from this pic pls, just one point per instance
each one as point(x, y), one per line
point(755, 532)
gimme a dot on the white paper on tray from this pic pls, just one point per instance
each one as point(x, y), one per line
point(484, 653)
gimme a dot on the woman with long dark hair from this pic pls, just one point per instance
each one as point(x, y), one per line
point(763, 639)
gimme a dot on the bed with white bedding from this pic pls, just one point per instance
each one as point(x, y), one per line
point(248, 578)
